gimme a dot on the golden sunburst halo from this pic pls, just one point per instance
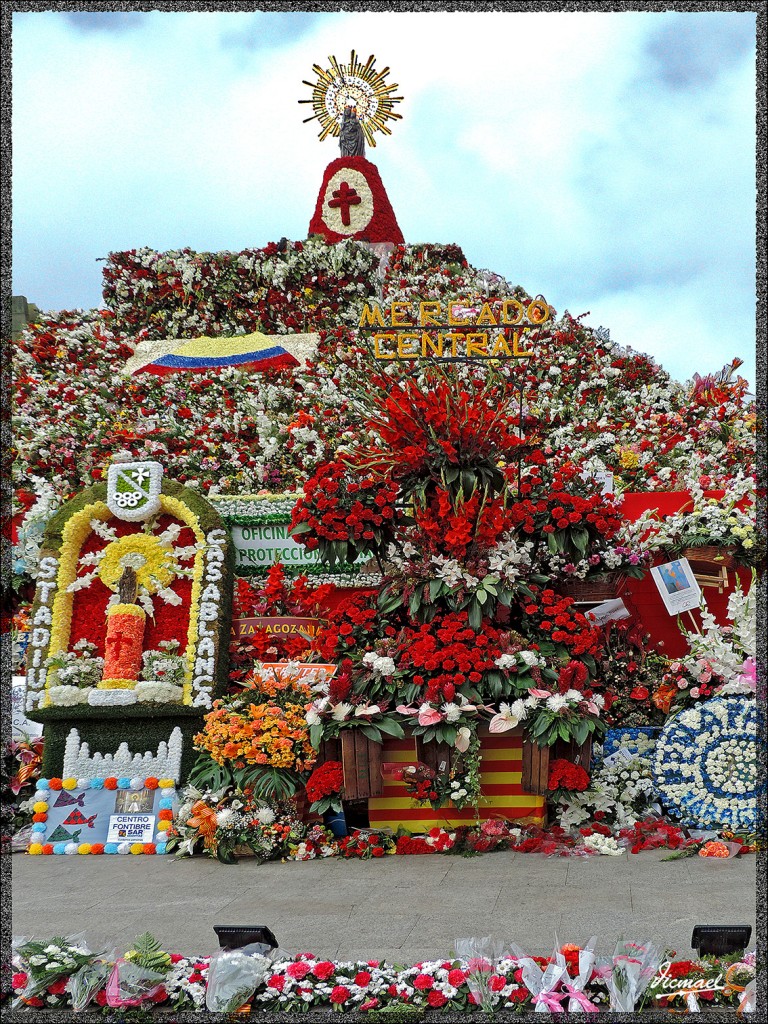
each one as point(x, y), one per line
point(356, 83)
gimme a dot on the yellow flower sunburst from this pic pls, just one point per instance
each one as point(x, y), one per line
point(155, 563)
point(356, 83)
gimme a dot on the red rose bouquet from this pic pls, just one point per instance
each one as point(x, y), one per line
point(551, 617)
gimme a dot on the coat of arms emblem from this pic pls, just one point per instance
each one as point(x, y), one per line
point(133, 489)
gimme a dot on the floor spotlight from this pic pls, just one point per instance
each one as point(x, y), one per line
point(720, 939)
point(251, 938)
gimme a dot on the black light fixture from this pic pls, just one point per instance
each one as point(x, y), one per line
point(253, 938)
point(720, 939)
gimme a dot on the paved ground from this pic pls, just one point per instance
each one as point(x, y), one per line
point(403, 909)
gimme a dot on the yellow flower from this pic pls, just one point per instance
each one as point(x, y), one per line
point(629, 459)
point(154, 562)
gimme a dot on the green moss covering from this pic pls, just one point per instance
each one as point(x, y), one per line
point(104, 735)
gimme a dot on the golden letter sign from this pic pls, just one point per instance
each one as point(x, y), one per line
point(455, 331)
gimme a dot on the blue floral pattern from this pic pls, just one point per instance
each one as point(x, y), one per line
point(705, 764)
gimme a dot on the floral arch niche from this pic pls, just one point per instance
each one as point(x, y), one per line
point(97, 622)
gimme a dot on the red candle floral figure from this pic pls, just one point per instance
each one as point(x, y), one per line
point(137, 568)
point(125, 637)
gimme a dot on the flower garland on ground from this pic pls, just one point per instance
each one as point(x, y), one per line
point(57, 974)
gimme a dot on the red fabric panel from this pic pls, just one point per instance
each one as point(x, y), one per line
point(643, 599)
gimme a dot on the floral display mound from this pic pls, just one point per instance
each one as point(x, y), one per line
point(474, 490)
point(484, 977)
point(473, 632)
point(230, 430)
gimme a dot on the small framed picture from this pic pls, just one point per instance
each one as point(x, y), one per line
point(677, 586)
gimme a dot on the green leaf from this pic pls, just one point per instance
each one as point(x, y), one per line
point(475, 617)
point(391, 728)
point(581, 731)
point(467, 480)
point(580, 539)
point(371, 732)
point(552, 543)
point(434, 588)
point(298, 529)
point(481, 597)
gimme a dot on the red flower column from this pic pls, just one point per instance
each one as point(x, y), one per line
point(123, 647)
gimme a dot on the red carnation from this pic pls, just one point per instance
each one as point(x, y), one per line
point(298, 970)
point(340, 994)
point(323, 970)
point(437, 999)
point(423, 981)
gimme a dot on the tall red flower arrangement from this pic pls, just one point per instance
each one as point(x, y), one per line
point(345, 514)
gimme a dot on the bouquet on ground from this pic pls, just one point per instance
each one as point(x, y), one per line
point(631, 970)
point(258, 739)
point(46, 963)
point(324, 787)
point(138, 976)
point(365, 844)
point(233, 977)
point(621, 792)
point(228, 823)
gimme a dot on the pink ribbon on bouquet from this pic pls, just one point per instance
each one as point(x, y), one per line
point(549, 1002)
point(602, 971)
point(578, 996)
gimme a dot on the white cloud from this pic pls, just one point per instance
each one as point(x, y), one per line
point(552, 146)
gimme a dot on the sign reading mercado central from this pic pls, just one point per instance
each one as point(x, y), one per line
point(454, 330)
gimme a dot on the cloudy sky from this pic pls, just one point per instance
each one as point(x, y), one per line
point(604, 160)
